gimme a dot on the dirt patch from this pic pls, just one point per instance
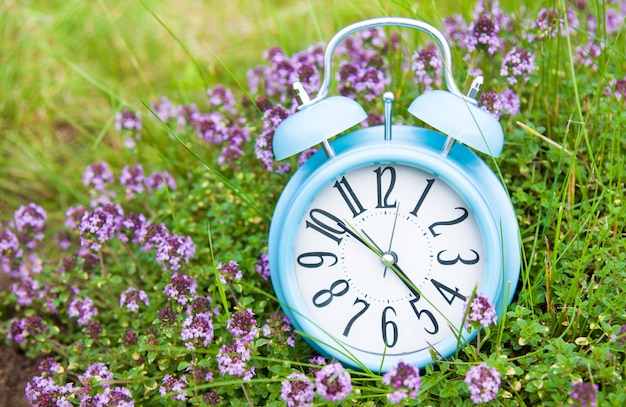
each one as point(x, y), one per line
point(15, 371)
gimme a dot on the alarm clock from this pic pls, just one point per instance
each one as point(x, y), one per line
point(381, 237)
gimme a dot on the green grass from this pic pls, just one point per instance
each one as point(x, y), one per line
point(67, 67)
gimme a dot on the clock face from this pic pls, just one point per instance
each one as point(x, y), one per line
point(385, 257)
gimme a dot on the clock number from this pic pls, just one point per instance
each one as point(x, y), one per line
point(420, 201)
point(365, 305)
point(385, 328)
point(449, 222)
point(382, 200)
point(316, 255)
point(457, 259)
point(349, 196)
point(426, 312)
point(443, 289)
point(324, 297)
point(322, 227)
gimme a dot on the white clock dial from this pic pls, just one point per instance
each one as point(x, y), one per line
point(418, 224)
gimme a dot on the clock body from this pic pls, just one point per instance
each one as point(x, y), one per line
point(374, 252)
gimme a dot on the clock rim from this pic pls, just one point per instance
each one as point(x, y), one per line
point(462, 170)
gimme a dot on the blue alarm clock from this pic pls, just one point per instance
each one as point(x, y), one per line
point(380, 238)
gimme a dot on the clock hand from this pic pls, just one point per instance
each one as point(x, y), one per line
point(393, 262)
point(393, 231)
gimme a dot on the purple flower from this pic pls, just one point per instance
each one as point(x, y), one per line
point(517, 65)
point(333, 382)
point(43, 391)
point(98, 176)
point(110, 397)
point(211, 398)
point(130, 338)
point(550, 24)
point(173, 387)
point(211, 127)
point(237, 136)
point(30, 221)
point(297, 390)
point(279, 331)
point(73, 215)
point(483, 383)
point(9, 250)
point(158, 180)
point(174, 250)
point(23, 328)
point(243, 325)
point(129, 123)
point(584, 394)
point(229, 272)
point(232, 358)
point(132, 228)
point(93, 329)
point(49, 365)
point(480, 313)
point(616, 88)
point(155, 234)
point(427, 67)
point(483, 35)
point(222, 98)
point(133, 181)
point(498, 105)
point(404, 379)
point(621, 335)
point(83, 310)
point(262, 266)
point(26, 290)
point(99, 225)
point(131, 297)
point(181, 288)
point(165, 110)
point(263, 144)
point(586, 55)
point(197, 330)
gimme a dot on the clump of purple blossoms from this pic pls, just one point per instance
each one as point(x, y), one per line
point(427, 67)
point(500, 104)
point(480, 312)
point(297, 390)
point(232, 359)
point(243, 326)
point(616, 88)
point(22, 329)
point(131, 298)
point(483, 383)
point(229, 272)
point(181, 288)
point(517, 65)
point(483, 35)
point(262, 266)
point(130, 124)
point(333, 382)
point(133, 180)
point(99, 225)
point(263, 144)
point(584, 394)
point(405, 380)
point(9, 250)
point(43, 391)
point(175, 250)
point(98, 176)
point(197, 330)
point(175, 388)
point(278, 330)
point(363, 72)
point(29, 223)
point(84, 310)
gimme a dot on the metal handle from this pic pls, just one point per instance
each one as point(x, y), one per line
point(437, 36)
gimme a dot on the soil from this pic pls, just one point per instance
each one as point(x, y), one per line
point(15, 371)
point(15, 368)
